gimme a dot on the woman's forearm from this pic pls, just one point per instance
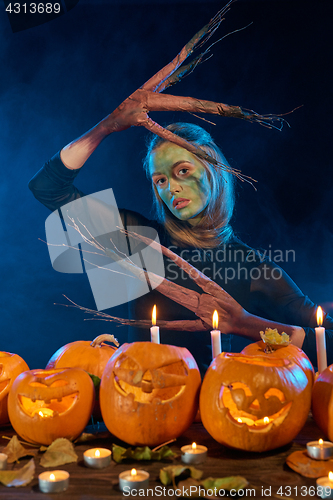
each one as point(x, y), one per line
point(249, 326)
point(76, 153)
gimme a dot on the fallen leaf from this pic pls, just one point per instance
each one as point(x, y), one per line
point(225, 483)
point(18, 477)
point(14, 450)
point(60, 452)
point(168, 474)
point(300, 462)
point(140, 453)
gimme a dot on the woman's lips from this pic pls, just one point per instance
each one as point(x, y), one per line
point(179, 203)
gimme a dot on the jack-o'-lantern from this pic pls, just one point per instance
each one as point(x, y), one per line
point(290, 351)
point(11, 365)
point(44, 405)
point(149, 393)
point(254, 403)
point(322, 402)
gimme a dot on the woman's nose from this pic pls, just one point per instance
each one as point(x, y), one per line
point(174, 187)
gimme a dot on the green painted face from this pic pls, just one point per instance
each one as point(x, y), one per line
point(181, 181)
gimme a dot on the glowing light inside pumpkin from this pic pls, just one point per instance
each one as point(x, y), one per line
point(133, 472)
point(319, 316)
point(97, 453)
point(194, 446)
point(330, 476)
point(52, 477)
point(153, 316)
point(43, 412)
point(266, 420)
point(215, 320)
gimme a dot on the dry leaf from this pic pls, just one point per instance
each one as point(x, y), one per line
point(300, 462)
point(18, 477)
point(60, 452)
point(14, 450)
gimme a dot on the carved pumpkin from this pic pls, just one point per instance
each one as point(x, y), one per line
point(90, 356)
point(11, 365)
point(254, 403)
point(44, 405)
point(149, 393)
point(322, 402)
point(286, 352)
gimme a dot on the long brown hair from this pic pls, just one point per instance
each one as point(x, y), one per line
point(214, 228)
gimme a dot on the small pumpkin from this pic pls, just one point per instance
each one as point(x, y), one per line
point(44, 405)
point(91, 356)
point(290, 351)
point(11, 365)
point(149, 393)
point(254, 403)
point(322, 401)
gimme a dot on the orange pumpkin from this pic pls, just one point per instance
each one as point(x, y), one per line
point(11, 365)
point(285, 352)
point(254, 403)
point(149, 393)
point(90, 356)
point(322, 402)
point(44, 405)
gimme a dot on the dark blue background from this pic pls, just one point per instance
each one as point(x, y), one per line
point(60, 78)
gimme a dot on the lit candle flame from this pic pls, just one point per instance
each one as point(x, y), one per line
point(330, 476)
point(239, 420)
point(215, 320)
point(319, 316)
point(194, 446)
point(97, 453)
point(320, 442)
point(52, 477)
point(266, 420)
point(153, 317)
point(133, 472)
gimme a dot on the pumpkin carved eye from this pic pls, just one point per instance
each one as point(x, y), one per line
point(163, 383)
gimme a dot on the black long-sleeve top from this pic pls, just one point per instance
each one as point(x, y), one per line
point(260, 286)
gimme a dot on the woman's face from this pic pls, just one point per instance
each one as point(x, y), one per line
point(181, 181)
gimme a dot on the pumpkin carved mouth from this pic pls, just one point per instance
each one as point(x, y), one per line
point(47, 399)
point(145, 386)
point(268, 410)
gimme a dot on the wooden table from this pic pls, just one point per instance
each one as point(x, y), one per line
point(266, 471)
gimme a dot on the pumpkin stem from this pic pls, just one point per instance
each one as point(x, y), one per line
point(269, 349)
point(106, 337)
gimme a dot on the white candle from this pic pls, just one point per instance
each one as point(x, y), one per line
point(97, 458)
point(54, 481)
point(193, 454)
point(320, 450)
point(154, 330)
point(325, 486)
point(133, 479)
point(321, 342)
point(3, 461)
point(216, 336)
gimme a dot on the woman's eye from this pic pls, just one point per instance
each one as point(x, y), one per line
point(183, 171)
point(160, 181)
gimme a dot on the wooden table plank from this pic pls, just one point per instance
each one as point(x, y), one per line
point(266, 471)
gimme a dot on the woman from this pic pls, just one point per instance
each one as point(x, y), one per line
point(194, 203)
